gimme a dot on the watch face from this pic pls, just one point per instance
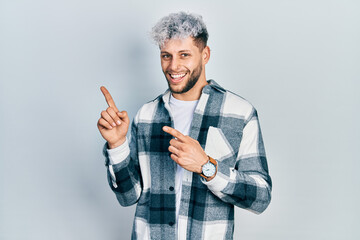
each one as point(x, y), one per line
point(208, 169)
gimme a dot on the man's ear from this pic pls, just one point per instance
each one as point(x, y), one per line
point(206, 54)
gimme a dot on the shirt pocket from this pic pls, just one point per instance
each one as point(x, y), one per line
point(220, 145)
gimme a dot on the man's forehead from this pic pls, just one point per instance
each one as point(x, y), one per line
point(179, 44)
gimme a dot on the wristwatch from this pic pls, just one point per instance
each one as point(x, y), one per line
point(209, 168)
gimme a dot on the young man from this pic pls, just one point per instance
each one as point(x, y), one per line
point(195, 151)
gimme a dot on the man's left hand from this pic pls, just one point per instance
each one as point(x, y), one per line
point(186, 151)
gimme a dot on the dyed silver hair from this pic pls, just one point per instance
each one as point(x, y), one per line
point(180, 25)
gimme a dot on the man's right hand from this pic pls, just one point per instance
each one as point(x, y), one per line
point(113, 124)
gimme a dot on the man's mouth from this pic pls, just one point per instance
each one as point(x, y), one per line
point(177, 77)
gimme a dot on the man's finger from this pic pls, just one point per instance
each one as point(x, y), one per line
point(108, 98)
point(123, 116)
point(174, 150)
point(174, 133)
point(175, 158)
point(103, 123)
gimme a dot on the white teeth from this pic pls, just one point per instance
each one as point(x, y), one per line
point(177, 75)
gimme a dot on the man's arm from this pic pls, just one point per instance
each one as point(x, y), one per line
point(123, 168)
point(248, 185)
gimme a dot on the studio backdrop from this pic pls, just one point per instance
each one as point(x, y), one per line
point(297, 62)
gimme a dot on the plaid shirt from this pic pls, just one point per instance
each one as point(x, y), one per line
point(142, 172)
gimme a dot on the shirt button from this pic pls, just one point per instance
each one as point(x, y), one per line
point(171, 188)
point(171, 223)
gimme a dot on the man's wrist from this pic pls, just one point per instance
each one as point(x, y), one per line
point(116, 144)
point(212, 161)
point(118, 154)
point(206, 159)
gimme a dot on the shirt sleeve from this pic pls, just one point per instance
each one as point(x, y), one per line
point(123, 170)
point(116, 156)
point(247, 184)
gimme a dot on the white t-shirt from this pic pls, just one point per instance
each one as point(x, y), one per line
point(182, 113)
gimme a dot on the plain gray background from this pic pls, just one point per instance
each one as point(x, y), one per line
point(297, 62)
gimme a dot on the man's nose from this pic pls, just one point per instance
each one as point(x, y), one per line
point(174, 64)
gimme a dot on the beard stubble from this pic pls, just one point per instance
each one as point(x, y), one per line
point(194, 77)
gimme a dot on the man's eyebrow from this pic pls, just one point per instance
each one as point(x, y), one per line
point(181, 51)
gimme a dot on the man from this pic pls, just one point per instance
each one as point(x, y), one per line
point(195, 151)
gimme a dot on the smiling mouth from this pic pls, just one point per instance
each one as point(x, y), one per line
point(177, 77)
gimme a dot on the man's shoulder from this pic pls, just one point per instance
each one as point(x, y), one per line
point(233, 103)
point(236, 105)
point(235, 98)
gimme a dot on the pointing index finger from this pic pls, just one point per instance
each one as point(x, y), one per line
point(108, 98)
point(174, 133)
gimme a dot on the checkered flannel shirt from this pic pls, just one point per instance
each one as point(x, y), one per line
point(142, 171)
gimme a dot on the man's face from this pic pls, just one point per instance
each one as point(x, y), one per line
point(182, 64)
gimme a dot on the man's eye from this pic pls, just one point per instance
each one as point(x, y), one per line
point(185, 54)
point(165, 56)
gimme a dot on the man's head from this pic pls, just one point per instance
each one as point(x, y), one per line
point(179, 26)
point(182, 39)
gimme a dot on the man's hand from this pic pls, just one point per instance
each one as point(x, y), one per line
point(113, 124)
point(186, 151)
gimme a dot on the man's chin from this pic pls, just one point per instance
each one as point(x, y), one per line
point(184, 86)
point(176, 89)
